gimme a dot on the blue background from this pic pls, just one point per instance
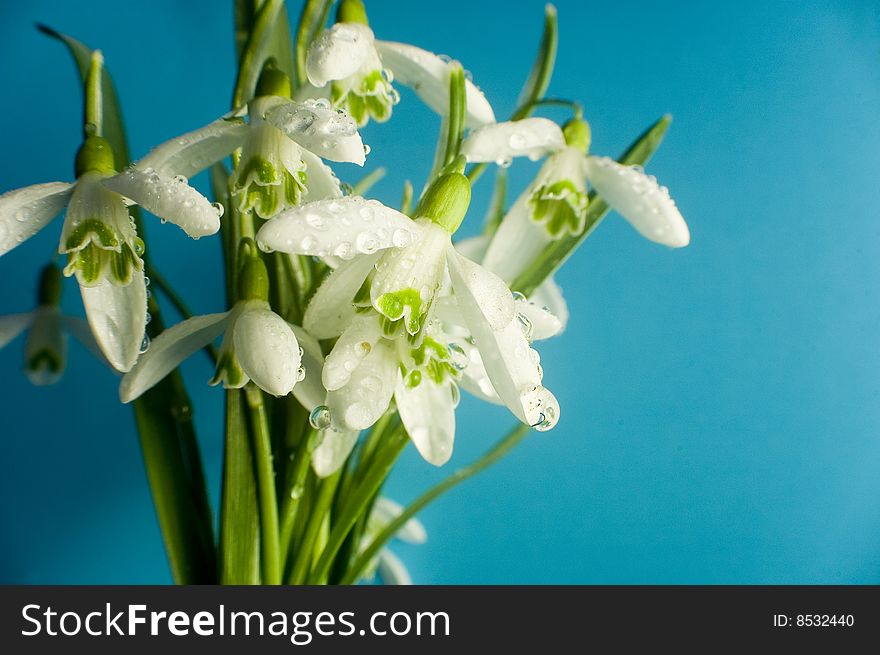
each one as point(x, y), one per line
point(720, 405)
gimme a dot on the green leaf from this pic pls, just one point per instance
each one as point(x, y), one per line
point(239, 511)
point(366, 183)
point(542, 70)
point(280, 42)
point(311, 21)
point(558, 251)
point(113, 129)
point(457, 107)
point(256, 51)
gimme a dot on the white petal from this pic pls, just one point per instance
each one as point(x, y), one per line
point(267, 350)
point(499, 142)
point(319, 128)
point(475, 380)
point(640, 200)
point(45, 337)
point(350, 350)
point(417, 271)
point(428, 75)
point(310, 390)
point(511, 364)
point(361, 402)
point(118, 316)
point(24, 212)
point(549, 295)
point(338, 52)
point(489, 290)
point(386, 510)
point(332, 452)
point(539, 322)
point(13, 325)
point(80, 330)
point(392, 570)
point(168, 198)
point(168, 350)
point(474, 248)
point(342, 227)
point(197, 150)
point(321, 182)
point(330, 310)
point(428, 414)
point(518, 234)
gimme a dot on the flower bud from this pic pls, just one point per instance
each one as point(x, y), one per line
point(273, 81)
point(94, 155)
point(352, 11)
point(577, 134)
point(253, 280)
point(446, 201)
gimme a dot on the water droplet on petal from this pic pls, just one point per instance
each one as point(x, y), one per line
point(145, 343)
point(457, 356)
point(319, 418)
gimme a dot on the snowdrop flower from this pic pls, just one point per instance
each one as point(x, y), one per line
point(45, 351)
point(555, 203)
point(99, 237)
point(391, 569)
point(258, 345)
point(387, 343)
point(360, 70)
point(281, 148)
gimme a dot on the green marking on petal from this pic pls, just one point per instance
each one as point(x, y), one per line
point(406, 302)
point(413, 379)
point(433, 358)
point(256, 169)
point(44, 359)
point(228, 371)
point(92, 230)
point(560, 207)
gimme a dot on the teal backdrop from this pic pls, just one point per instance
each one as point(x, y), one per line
point(720, 404)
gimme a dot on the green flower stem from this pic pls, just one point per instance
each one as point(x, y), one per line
point(317, 515)
point(360, 500)
point(265, 486)
point(493, 455)
point(295, 491)
point(94, 103)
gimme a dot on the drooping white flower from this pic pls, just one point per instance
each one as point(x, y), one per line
point(360, 70)
point(45, 353)
point(388, 345)
point(555, 203)
point(281, 149)
point(258, 345)
point(99, 237)
point(390, 568)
